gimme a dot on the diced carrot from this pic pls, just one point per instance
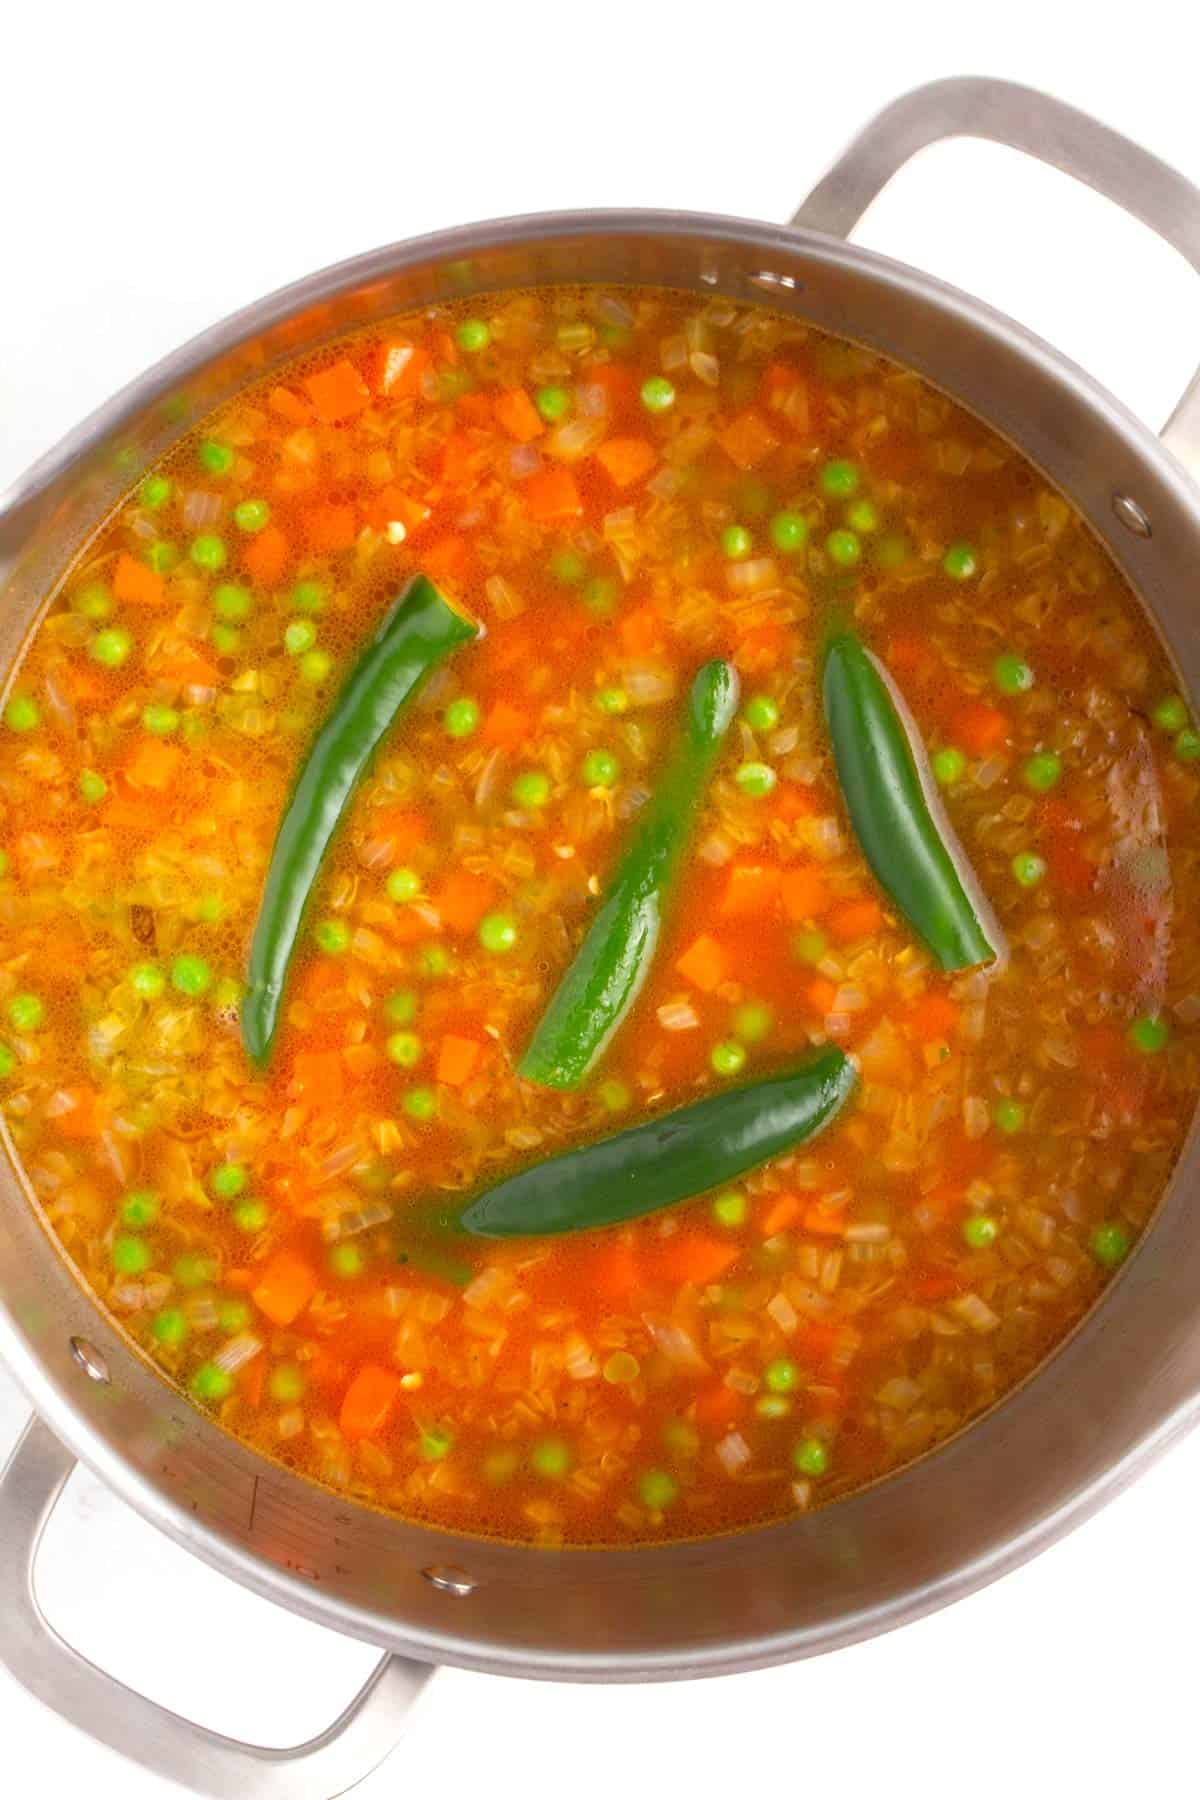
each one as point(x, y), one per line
point(330, 527)
point(134, 584)
point(979, 728)
point(265, 556)
point(324, 976)
point(506, 726)
point(241, 1279)
point(37, 853)
point(939, 1284)
point(748, 439)
point(1071, 869)
point(285, 1287)
point(779, 378)
point(626, 459)
point(187, 668)
point(462, 899)
point(820, 994)
point(403, 827)
point(761, 648)
point(719, 1406)
point(824, 1220)
point(392, 505)
point(397, 367)
point(851, 920)
point(641, 631)
point(476, 409)
point(445, 349)
point(614, 1272)
point(337, 392)
point(909, 656)
point(252, 1380)
point(287, 405)
point(933, 1017)
point(704, 963)
point(516, 414)
point(458, 1058)
point(317, 1075)
point(551, 494)
point(816, 1341)
point(459, 459)
point(795, 800)
point(129, 811)
point(696, 1259)
point(368, 1402)
point(448, 559)
point(617, 382)
point(154, 764)
point(804, 893)
point(87, 1115)
point(750, 889)
point(1101, 1046)
point(781, 1212)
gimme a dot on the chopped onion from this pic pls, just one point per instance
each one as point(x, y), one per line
point(676, 1344)
point(238, 1352)
point(201, 509)
point(783, 1313)
point(523, 460)
point(733, 1452)
point(665, 484)
point(591, 400)
point(576, 439)
point(678, 1015)
point(757, 572)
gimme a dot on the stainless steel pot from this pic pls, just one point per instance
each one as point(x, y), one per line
point(1112, 1397)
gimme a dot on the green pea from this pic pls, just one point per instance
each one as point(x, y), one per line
point(347, 1261)
point(227, 994)
point(530, 789)
point(286, 1384)
point(1008, 1116)
point(194, 1269)
point(568, 567)
point(773, 1406)
point(461, 718)
point(22, 713)
point(658, 395)
point(752, 1022)
point(473, 335)
point(92, 786)
point(155, 492)
point(979, 1231)
point(8, 1061)
point(1042, 771)
point(1187, 745)
point(160, 721)
point(212, 1383)
point(1011, 674)
point(1110, 1243)
point(554, 403)
point(810, 1456)
point(405, 1049)
point(600, 595)
point(140, 1209)
point(420, 1103)
point(332, 936)
point(111, 647)
point(862, 516)
point(949, 766)
point(231, 601)
point(1028, 868)
point(612, 700)
point(761, 713)
point(840, 480)
point(810, 946)
point(308, 597)
point(436, 1442)
point(789, 532)
point(600, 769)
point(781, 1376)
point(251, 515)
point(892, 551)
point(497, 933)
point(500, 1466)
point(614, 1095)
point(681, 1438)
point(299, 636)
point(191, 975)
point(251, 1216)
point(228, 1180)
point(434, 960)
point(1149, 1035)
point(728, 1058)
point(729, 1209)
point(26, 1012)
point(208, 551)
point(216, 458)
point(753, 497)
point(400, 1008)
point(844, 548)
point(402, 885)
point(453, 383)
point(315, 667)
point(657, 1490)
point(170, 1327)
point(131, 1256)
point(93, 602)
point(736, 543)
point(226, 638)
point(960, 562)
point(233, 1316)
point(756, 779)
point(551, 1457)
point(1171, 713)
point(161, 557)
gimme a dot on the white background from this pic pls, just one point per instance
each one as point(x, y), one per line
point(167, 163)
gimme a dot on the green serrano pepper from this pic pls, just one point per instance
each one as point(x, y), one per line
point(671, 1158)
point(614, 958)
point(419, 629)
point(895, 811)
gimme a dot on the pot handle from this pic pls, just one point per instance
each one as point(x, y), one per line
point(1022, 119)
point(139, 1729)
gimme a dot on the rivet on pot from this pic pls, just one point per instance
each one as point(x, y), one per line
point(450, 1580)
point(767, 278)
point(1131, 515)
point(90, 1361)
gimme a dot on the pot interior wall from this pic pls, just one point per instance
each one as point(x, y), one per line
point(1105, 1401)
